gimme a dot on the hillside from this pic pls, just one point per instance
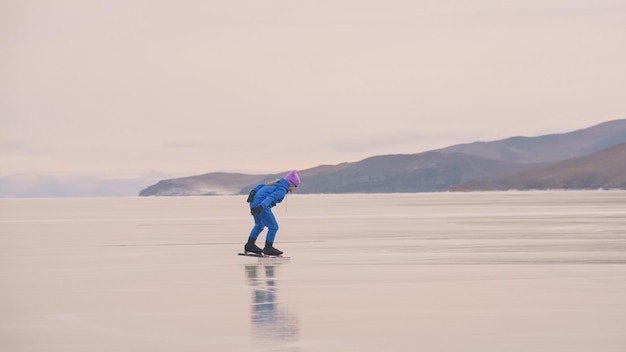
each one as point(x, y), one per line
point(602, 170)
point(431, 171)
point(424, 172)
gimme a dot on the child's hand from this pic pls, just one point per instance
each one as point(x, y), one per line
point(256, 210)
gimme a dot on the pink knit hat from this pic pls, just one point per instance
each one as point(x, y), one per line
point(292, 178)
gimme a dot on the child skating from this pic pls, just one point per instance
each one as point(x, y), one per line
point(262, 199)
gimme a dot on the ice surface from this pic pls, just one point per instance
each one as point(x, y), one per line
point(535, 271)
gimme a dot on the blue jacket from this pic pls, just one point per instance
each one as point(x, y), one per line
point(269, 196)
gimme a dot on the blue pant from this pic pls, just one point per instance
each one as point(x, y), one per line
point(261, 221)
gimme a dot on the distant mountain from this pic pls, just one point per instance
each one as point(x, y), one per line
point(432, 171)
point(605, 169)
point(424, 172)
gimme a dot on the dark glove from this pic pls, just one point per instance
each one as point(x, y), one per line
point(251, 196)
point(256, 210)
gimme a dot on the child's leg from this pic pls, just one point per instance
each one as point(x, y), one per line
point(268, 219)
point(258, 227)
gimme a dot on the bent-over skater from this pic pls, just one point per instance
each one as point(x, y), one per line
point(262, 199)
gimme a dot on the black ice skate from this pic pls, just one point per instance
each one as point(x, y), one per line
point(269, 250)
point(250, 247)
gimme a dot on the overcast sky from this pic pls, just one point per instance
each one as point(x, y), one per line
point(120, 88)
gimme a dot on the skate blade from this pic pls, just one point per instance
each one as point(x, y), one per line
point(266, 258)
point(251, 254)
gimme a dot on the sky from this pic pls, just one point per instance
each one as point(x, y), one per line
point(121, 88)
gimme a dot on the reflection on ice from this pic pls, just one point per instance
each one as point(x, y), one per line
point(272, 324)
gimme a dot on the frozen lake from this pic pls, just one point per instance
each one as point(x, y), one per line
point(519, 271)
